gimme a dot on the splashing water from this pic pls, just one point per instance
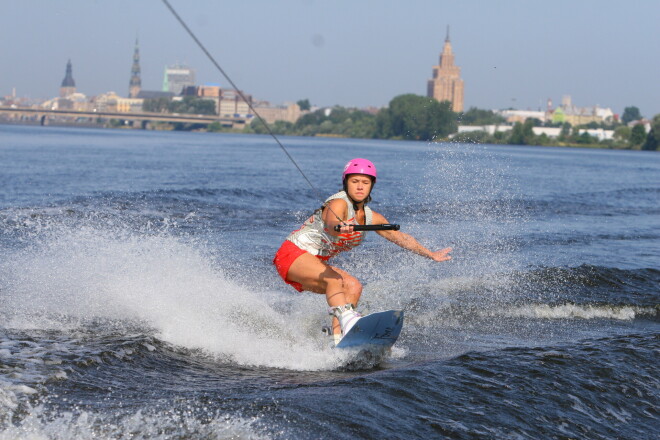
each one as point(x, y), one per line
point(75, 277)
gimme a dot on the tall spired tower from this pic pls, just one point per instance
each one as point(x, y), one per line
point(135, 85)
point(68, 86)
point(446, 84)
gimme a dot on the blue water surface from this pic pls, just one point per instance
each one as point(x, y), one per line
point(138, 298)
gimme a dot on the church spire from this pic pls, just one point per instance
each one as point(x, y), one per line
point(68, 86)
point(135, 84)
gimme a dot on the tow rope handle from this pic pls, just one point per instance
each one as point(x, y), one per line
point(383, 227)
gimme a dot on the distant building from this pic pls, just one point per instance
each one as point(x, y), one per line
point(69, 99)
point(598, 133)
point(232, 105)
point(490, 129)
point(68, 86)
point(136, 95)
point(205, 91)
point(177, 77)
point(645, 122)
point(105, 102)
point(228, 102)
point(111, 102)
point(129, 105)
point(513, 116)
point(575, 116)
point(135, 85)
point(288, 112)
point(566, 112)
point(551, 132)
point(74, 101)
point(446, 84)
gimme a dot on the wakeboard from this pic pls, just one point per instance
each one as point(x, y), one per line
point(375, 332)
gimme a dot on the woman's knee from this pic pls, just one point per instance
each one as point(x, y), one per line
point(352, 289)
point(338, 280)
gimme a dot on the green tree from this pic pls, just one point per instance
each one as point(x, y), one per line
point(543, 139)
point(304, 104)
point(475, 116)
point(157, 105)
point(310, 119)
point(517, 137)
point(192, 105)
point(622, 134)
point(326, 127)
point(653, 139)
point(364, 126)
point(637, 135)
point(585, 138)
point(217, 127)
point(416, 117)
point(255, 127)
point(277, 127)
point(565, 133)
point(523, 134)
point(471, 137)
point(337, 120)
point(499, 137)
point(630, 114)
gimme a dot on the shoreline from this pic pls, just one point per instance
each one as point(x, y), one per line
point(170, 128)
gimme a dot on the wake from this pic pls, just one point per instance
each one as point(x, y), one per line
point(71, 277)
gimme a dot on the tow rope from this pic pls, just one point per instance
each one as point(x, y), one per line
point(266, 125)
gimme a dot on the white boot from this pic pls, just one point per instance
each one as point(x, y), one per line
point(347, 317)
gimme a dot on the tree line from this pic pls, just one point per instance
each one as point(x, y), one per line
point(408, 116)
point(188, 105)
point(414, 117)
point(624, 137)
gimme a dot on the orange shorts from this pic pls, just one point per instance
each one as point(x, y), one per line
point(284, 258)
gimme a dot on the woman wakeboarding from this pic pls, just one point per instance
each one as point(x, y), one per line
point(336, 227)
point(302, 260)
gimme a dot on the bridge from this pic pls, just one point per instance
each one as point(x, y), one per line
point(142, 120)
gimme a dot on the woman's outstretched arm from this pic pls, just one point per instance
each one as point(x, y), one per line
point(409, 242)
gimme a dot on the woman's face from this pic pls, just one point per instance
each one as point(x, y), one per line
point(358, 186)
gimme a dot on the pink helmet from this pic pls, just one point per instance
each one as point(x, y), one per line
point(359, 166)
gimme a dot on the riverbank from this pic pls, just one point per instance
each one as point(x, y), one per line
point(248, 130)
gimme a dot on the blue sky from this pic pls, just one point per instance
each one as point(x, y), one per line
point(513, 53)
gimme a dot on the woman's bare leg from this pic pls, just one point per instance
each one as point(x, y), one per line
point(339, 287)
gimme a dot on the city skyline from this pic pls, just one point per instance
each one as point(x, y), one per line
point(308, 50)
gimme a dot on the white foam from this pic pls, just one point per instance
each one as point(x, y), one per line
point(140, 425)
point(573, 311)
point(8, 400)
point(398, 352)
point(74, 276)
point(23, 389)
